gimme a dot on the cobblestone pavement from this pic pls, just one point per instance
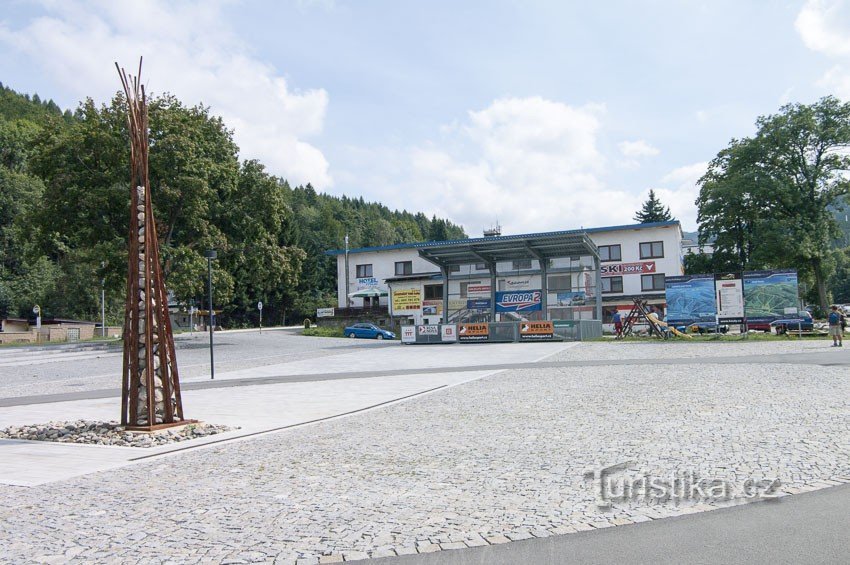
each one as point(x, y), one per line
point(685, 349)
point(233, 351)
point(499, 459)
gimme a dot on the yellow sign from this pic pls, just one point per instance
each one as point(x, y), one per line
point(407, 299)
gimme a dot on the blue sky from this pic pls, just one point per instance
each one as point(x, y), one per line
point(536, 115)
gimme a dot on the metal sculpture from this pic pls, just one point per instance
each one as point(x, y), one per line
point(150, 394)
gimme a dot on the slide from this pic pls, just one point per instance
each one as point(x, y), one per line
point(663, 324)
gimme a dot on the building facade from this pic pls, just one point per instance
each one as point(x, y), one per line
point(628, 262)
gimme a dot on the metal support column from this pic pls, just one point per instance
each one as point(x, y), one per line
point(445, 271)
point(596, 265)
point(544, 286)
point(492, 266)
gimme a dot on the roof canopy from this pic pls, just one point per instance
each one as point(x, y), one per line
point(488, 250)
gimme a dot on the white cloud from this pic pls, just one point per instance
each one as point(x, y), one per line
point(679, 191)
point(529, 163)
point(823, 27)
point(819, 25)
point(190, 51)
point(638, 148)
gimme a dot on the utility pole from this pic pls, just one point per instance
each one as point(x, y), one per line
point(347, 284)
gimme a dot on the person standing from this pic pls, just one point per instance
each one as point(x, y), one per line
point(835, 327)
point(618, 325)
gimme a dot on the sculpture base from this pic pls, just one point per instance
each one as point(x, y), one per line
point(158, 427)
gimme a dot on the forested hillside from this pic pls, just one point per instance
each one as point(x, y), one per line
point(64, 205)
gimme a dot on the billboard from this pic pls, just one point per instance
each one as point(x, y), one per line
point(407, 299)
point(769, 294)
point(519, 301)
point(690, 299)
point(730, 298)
point(642, 268)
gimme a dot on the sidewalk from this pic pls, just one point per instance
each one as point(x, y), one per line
point(253, 408)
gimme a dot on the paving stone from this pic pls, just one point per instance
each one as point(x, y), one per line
point(463, 465)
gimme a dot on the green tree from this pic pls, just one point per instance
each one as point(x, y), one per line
point(652, 211)
point(771, 195)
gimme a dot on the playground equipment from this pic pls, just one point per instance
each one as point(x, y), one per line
point(641, 312)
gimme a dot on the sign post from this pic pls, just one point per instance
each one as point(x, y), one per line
point(729, 289)
point(37, 311)
point(260, 308)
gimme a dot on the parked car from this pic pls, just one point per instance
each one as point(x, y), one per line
point(759, 326)
point(368, 331)
point(802, 323)
point(707, 328)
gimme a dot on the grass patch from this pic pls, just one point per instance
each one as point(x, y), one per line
point(316, 331)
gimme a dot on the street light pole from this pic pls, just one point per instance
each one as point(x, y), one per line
point(103, 302)
point(347, 286)
point(103, 307)
point(210, 255)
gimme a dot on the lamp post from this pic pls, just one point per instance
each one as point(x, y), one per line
point(347, 284)
point(210, 254)
point(103, 302)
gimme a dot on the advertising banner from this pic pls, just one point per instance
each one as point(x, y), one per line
point(519, 301)
point(456, 304)
point(517, 284)
point(324, 312)
point(428, 330)
point(449, 332)
point(473, 332)
point(407, 299)
point(478, 304)
point(408, 334)
point(729, 288)
point(570, 298)
point(642, 268)
point(366, 282)
point(769, 293)
point(690, 299)
point(478, 290)
point(431, 307)
point(533, 331)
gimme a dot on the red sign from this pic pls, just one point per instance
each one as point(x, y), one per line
point(644, 268)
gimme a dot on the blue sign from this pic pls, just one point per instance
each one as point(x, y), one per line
point(519, 301)
point(690, 299)
point(479, 304)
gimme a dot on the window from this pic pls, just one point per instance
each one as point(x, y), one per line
point(522, 264)
point(652, 250)
point(364, 271)
point(560, 282)
point(612, 284)
point(433, 292)
point(610, 253)
point(652, 282)
point(404, 267)
point(454, 269)
point(481, 266)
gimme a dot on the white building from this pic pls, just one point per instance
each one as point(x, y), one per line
point(550, 276)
